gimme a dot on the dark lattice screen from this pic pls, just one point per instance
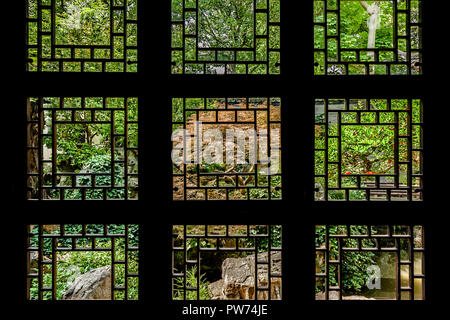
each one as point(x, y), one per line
point(254, 169)
point(82, 148)
point(247, 41)
point(197, 250)
point(81, 36)
point(346, 255)
point(368, 149)
point(340, 51)
point(55, 260)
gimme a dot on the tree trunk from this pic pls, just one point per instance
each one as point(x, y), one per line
point(373, 11)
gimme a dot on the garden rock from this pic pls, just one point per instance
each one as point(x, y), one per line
point(238, 278)
point(215, 289)
point(93, 285)
point(227, 123)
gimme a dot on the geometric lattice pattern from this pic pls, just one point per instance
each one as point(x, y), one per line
point(397, 49)
point(49, 246)
point(191, 244)
point(222, 37)
point(227, 148)
point(337, 247)
point(81, 36)
point(368, 149)
point(82, 148)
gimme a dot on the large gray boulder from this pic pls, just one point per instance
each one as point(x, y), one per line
point(215, 289)
point(93, 285)
point(238, 278)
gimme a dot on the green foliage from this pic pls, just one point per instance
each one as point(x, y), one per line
point(83, 23)
point(102, 164)
point(354, 34)
point(275, 237)
point(191, 281)
point(192, 243)
point(227, 24)
point(86, 147)
point(263, 246)
point(177, 110)
point(354, 264)
point(74, 264)
point(76, 143)
point(275, 188)
point(79, 142)
point(99, 164)
point(354, 29)
point(214, 167)
point(133, 235)
point(366, 148)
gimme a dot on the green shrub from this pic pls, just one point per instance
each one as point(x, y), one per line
point(365, 148)
point(191, 281)
point(354, 264)
point(73, 264)
point(275, 237)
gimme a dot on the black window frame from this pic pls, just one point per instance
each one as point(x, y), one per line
point(369, 233)
point(403, 128)
point(53, 239)
point(410, 59)
point(154, 86)
point(92, 188)
point(180, 245)
point(37, 59)
point(262, 168)
point(200, 65)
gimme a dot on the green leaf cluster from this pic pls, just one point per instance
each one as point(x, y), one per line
point(191, 281)
point(354, 264)
point(71, 265)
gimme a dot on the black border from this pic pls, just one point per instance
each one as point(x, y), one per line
point(298, 88)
